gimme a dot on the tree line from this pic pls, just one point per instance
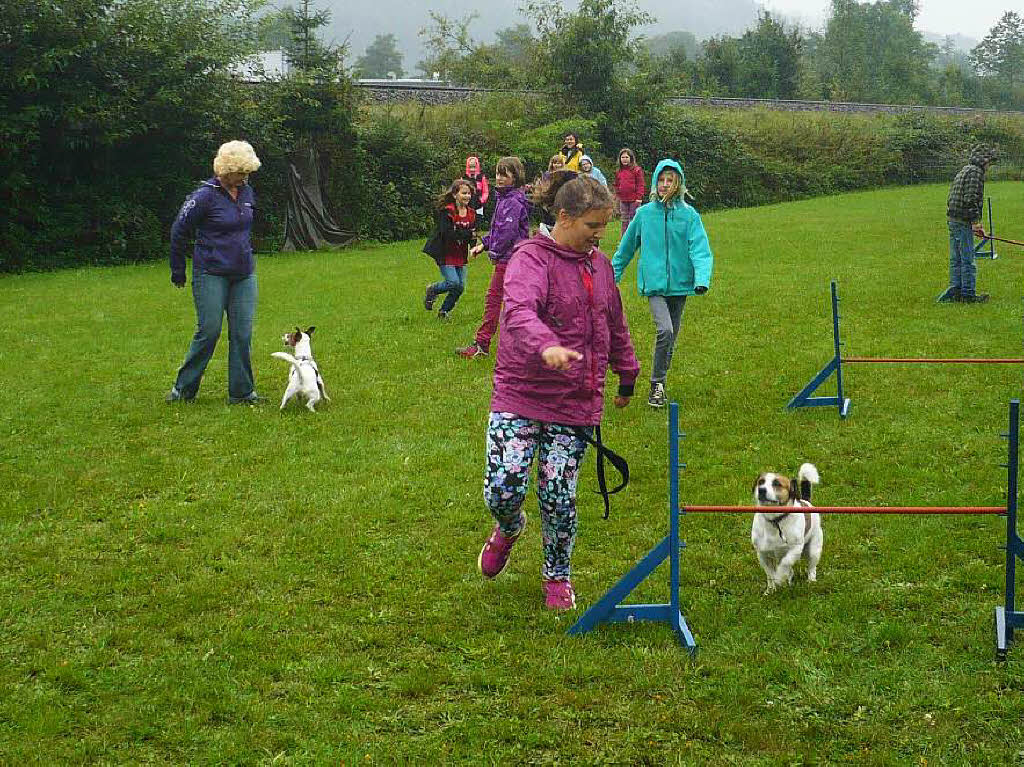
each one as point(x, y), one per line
point(866, 52)
point(112, 111)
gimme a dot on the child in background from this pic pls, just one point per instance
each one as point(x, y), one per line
point(563, 326)
point(675, 262)
point(546, 220)
point(509, 225)
point(481, 189)
point(587, 168)
point(449, 246)
point(629, 186)
point(572, 151)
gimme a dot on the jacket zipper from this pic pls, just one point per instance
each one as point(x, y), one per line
point(668, 262)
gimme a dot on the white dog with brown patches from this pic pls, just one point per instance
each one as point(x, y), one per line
point(781, 537)
point(304, 377)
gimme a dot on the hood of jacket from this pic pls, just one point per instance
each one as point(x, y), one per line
point(982, 155)
point(661, 166)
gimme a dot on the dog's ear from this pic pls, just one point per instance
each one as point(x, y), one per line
point(805, 490)
point(298, 331)
point(310, 329)
point(794, 487)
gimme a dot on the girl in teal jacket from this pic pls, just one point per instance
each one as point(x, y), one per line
point(675, 262)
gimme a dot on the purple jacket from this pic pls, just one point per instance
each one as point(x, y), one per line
point(509, 224)
point(221, 227)
point(547, 304)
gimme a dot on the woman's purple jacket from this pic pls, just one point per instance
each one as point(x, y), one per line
point(547, 304)
point(221, 227)
point(510, 223)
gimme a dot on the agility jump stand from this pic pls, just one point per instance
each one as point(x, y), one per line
point(989, 239)
point(835, 365)
point(608, 609)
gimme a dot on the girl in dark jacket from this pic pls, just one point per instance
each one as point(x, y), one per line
point(449, 246)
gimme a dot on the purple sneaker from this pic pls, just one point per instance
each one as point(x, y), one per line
point(494, 555)
point(558, 595)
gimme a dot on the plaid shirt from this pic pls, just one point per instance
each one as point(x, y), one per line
point(966, 194)
point(967, 191)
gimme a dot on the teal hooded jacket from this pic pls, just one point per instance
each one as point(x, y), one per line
point(675, 257)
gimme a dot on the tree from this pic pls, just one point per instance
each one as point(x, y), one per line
point(871, 52)
point(769, 60)
point(112, 109)
point(304, 49)
point(381, 59)
point(588, 55)
point(1001, 52)
point(457, 58)
point(718, 67)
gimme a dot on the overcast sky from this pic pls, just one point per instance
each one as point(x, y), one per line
point(947, 17)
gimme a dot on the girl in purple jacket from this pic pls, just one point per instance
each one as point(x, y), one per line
point(509, 224)
point(563, 327)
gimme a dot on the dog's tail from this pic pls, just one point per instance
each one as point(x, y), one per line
point(807, 476)
point(295, 363)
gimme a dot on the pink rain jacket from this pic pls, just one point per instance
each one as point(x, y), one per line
point(547, 304)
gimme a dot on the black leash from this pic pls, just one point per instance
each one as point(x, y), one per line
point(616, 460)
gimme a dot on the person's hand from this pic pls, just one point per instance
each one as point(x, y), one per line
point(621, 401)
point(700, 290)
point(978, 230)
point(559, 358)
point(476, 250)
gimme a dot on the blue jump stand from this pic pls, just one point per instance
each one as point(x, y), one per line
point(835, 365)
point(1008, 618)
point(979, 249)
point(609, 608)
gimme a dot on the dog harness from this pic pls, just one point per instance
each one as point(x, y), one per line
point(776, 520)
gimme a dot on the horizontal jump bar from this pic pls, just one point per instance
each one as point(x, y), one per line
point(849, 509)
point(1007, 361)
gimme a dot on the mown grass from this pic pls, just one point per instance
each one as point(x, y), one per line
point(217, 584)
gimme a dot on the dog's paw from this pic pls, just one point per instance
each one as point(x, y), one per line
point(769, 590)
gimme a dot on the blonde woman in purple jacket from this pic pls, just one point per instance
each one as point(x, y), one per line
point(563, 328)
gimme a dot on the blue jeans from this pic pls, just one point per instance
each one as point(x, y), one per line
point(453, 282)
point(215, 294)
point(962, 269)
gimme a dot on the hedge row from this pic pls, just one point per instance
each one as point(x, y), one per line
point(386, 167)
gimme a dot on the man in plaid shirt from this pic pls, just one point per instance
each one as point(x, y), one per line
point(963, 210)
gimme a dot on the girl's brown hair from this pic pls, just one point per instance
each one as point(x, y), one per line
point(512, 166)
point(556, 157)
point(632, 155)
point(575, 194)
point(447, 197)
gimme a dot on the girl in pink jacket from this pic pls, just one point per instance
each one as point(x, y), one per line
point(563, 328)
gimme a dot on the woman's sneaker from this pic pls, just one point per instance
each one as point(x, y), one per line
point(494, 555)
point(558, 595)
point(657, 397)
point(472, 351)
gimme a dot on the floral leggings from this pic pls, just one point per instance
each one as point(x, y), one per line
point(511, 443)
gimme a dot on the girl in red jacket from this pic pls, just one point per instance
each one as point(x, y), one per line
point(449, 246)
point(629, 186)
point(563, 327)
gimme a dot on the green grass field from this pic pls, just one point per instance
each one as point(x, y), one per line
point(233, 585)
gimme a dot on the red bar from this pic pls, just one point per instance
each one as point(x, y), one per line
point(1008, 361)
point(850, 509)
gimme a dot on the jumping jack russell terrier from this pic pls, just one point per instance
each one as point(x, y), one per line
point(782, 536)
point(304, 377)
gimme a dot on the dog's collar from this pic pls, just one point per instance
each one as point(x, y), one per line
point(776, 520)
